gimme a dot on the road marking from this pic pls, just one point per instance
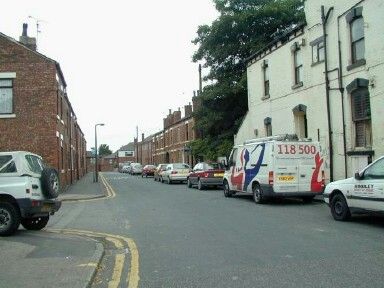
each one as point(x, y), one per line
point(110, 193)
point(117, 271)
point(91, 264)
point(133, 277)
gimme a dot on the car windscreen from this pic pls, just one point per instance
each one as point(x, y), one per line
point(180, 166)
point(35, 164)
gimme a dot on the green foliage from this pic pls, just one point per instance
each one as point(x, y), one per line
point(243, 28)
point(104, 150)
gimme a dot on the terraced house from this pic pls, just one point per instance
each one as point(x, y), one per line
point(324, 80)
point(35, 112)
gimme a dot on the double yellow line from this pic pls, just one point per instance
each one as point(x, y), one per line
point(132, 279)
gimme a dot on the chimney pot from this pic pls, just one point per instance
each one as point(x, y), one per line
point(25, 30)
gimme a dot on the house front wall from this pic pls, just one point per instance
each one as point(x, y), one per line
point(282, 108)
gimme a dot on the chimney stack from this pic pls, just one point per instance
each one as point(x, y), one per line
point(29, 42)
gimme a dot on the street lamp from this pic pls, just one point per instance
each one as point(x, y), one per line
point(96, 156)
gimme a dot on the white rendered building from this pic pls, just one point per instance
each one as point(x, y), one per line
point(287, 90)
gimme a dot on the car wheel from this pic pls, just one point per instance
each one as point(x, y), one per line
point(50, 183)
point(169, 181)
point(227, 191)
point(189, 184)
point(200, 185)
point(161, 180)
point(9, 219)
point(37, 223)
point(339, 208)
point(258, 196)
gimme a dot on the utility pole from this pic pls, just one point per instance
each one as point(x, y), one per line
point(200, 81)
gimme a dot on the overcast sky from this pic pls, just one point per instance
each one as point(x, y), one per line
point(125, 62)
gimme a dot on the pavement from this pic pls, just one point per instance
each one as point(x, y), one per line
point(46, 259)
point(83, 189)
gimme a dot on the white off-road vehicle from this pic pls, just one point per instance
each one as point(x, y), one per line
point(28, 192)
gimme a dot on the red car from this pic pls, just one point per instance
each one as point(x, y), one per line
point(148, 170)
point(206, 174)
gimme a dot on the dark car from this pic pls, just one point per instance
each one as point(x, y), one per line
point(160, 168)
point(206, 174)
point(148, 170)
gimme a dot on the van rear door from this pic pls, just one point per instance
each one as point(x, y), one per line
point(286, 168)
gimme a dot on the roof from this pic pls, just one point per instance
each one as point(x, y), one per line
point(285, 37)
point(128, 147)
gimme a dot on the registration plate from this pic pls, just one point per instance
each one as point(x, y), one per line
point(286, 178)
point(46, 208)
point(218, 175)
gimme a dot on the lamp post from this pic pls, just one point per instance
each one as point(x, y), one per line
point(96, 156)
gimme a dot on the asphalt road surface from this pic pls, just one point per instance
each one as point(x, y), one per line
point(190, 238)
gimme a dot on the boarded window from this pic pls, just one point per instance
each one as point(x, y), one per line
point(361, 116)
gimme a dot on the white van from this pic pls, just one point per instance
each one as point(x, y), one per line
point(277, 166)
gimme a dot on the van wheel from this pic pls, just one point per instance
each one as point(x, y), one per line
point(258, 196)
point(37, 223)
point(339, 208)
point(9, 219)
point(227, 192)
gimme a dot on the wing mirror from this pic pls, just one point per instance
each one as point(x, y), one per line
point(358, 176)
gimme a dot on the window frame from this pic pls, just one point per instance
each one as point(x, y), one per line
point(12, 98)
point(266, 83)
point(353, 42)
point(298, 68)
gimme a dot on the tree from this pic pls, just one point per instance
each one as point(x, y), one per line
point(104, 150)
point(243, 28)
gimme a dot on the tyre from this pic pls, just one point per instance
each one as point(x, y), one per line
point(169, 181)
point(37, 223)
point(142, 176)
point(200, 185)
point(189, 184)
point(9, 219)
point(50, 183)
point(258, 196)
point(227, 191)
point(161, 180)
point(339, 208)
point(308, 199)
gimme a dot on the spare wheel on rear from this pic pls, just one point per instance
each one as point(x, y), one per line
point(50, 183)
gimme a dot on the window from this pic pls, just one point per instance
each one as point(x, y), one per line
point(7, 165)
point(35, 164)
point(361, 116)
point(375, 171)
point(266, 78)
point(317, 50)
point(6, 96)
point(357, 39)
point(300, 118)
point(298, 64)
point(356, 29)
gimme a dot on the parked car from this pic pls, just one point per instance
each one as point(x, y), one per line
point(126, 168)
point(206, 174)
point(136, 168)
point(28, 192)
point(122, 165)
point(175, 172)
point(278, 166)
point(363, 193)
point(148, 170)
point(160, 168)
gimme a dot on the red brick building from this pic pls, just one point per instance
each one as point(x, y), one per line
point(35, 112)
point(172, 144)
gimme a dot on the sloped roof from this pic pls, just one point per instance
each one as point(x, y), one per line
point(128, 147)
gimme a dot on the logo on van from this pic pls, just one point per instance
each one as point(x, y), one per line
point(316, 185)
point(245, 175)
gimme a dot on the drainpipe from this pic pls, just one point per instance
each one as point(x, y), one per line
point(324, 19)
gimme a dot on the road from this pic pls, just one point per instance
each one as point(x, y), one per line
point(160, 235)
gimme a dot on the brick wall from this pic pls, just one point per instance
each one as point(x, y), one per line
point(42, 120)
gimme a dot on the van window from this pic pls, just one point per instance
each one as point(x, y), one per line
point(233, 157)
